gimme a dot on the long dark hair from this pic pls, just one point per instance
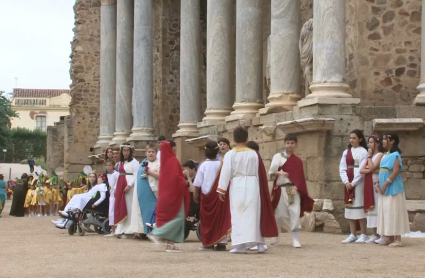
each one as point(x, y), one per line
point(106, 152)
point(393, 136)
point(362, 142)
point(89, 185)
point(378, 140)
point(130, 156)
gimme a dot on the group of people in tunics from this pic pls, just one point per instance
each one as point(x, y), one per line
point(374, 191)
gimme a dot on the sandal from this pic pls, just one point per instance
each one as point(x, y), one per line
point(395, 244)
point(385, 241)
point(141, 236)
point(172, 249)
point(220, 247)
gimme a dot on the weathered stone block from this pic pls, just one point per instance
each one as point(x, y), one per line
point(415, 189)
point(308, 222)
point(418, 223)
point(318, 204)
point(416, 168)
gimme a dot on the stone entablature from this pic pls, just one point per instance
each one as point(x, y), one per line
point(397, 124)
point(307, 125)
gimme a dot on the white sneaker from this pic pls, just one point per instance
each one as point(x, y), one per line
point(60, 225)
point(362, 239)
point(296, 243)
point(63, 213)
point(110, 235)
point(38, 215)
point(45, 215)
point(350, 239)
point(262, 248)
point(241, 249)
point(274, 241)
point(378, 240)
point(372, 239)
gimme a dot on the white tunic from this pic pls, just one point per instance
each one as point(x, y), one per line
point(79, 201)
point(287, 215)
point(356, 211)
point(240, 166)
point(372, 214)
point(133, 224)
point(206, 175)
point(153, 182)
point(112, 180)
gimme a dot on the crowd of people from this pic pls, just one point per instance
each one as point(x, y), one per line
point(229, 191)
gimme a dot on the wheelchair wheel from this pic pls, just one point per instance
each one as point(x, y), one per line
point(105, 227)
point(187, 229)
point(81, 230)
point(198, 230)
point(99, 230)
point(71, 229)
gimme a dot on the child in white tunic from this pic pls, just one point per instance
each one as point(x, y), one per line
point(371, 167)
point(355, 211)
point(112, 181)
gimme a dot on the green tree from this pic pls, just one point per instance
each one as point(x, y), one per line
point(25, 142)
point(6, 113)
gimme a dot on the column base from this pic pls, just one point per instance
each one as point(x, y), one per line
point(280, 102)
point(216, 114)
point(119, 138)
point(186, 130)
point(329, 90)
point(103, 141)
point(420, 98)
point(141, 134)
point(244, 111)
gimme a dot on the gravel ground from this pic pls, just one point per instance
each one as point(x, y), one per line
point(32, 247)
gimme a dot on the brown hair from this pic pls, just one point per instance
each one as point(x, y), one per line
point(151, 146)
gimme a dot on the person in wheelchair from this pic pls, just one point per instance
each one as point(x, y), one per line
point(93, 200)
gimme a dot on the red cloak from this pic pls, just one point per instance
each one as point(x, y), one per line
point(120, 208)
point(349, 195)
point(369, 198)
point(295, 169)
point(172, 189)
point(215, 215)
point(268, 224)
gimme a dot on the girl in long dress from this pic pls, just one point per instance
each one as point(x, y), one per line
point(112, 175)
point(371, 171)
point(349, 169)
point(128, 217)
point(147, 185)
point(393, 220)
point(2, 192)
point(173, 201)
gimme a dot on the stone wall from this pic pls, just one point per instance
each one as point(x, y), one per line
point(85, 70)
point(55, 143)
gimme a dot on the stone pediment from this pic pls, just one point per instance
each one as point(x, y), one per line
point(201, 140)
point(307, 125)
point(403, 124)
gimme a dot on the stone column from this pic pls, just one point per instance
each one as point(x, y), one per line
point(249, 58)
point(420, 98)
point(220, 59)
point(108, 48)
point(329, 50)
point(284, 55)
point(143, 72)
point(125, 26)
point(190, 68)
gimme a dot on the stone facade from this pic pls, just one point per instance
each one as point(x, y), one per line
point(382, 71)
point(55, 141)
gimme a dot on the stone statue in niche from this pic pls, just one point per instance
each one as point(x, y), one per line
point(306, 53)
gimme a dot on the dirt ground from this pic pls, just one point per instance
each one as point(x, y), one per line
point(32, 247)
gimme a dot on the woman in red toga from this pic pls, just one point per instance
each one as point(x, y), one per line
point(173, 201)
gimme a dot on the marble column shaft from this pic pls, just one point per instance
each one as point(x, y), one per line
point(220, 59)
point(108, 48)
point(420, 98)
point(284, 56)
point(249, 57)
point(329, 49)
point(143, 70)
point(190, 66)
point(125, 26)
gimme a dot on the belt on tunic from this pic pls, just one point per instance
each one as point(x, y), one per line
point(385, 170)
point(289, 187)
point(244, 176)
point(353, 166)
point(126, 174)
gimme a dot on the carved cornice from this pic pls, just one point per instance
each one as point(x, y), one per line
point(108, 2)
point(307, 125)
point(202, 140)
point(403, 124)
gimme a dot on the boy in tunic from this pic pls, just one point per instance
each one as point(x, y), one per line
point(250, 206)
point(289, 195)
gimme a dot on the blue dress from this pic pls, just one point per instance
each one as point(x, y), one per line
point(147, 199)
point(385, 171)
point(2, 194)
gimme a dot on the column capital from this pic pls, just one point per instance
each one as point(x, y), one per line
point(108, 2)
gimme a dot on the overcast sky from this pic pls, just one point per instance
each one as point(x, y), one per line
point(35, 38)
